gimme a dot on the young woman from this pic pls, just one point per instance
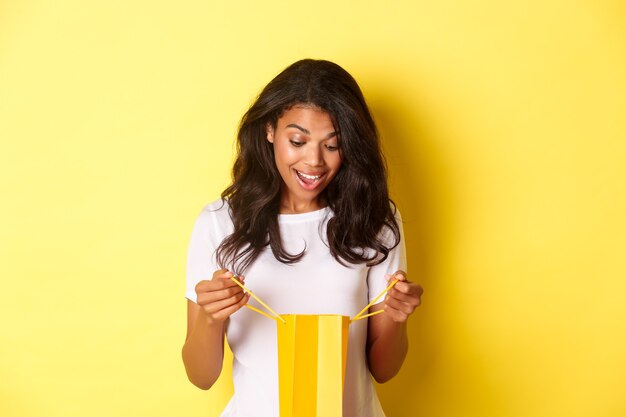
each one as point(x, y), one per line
point(308, 225)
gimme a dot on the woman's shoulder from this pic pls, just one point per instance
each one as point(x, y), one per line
point(396, 212)
point(218, 206)
point(214, 220)
point(388, 231)
point(217, 210)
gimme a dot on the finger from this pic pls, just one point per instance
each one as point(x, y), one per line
point(228, 311)
point(224, 304)
point(395, 314)
point(409, 288)
point(400, 275)
point(406, 298)
point(218, 295)
point(400, 305)
point(222, 273)
point(214, 285)
point(228, 276)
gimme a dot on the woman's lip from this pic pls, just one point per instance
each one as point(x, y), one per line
point(312, 174)
point(307, 186)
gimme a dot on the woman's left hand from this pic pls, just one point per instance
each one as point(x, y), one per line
point(402, 300)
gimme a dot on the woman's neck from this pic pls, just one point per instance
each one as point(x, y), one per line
point(297, 207)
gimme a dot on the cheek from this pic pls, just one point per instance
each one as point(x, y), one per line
point(335, 161)
point(285, 154)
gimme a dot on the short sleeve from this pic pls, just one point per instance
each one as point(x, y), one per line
point(200, 261)
point(396, 260)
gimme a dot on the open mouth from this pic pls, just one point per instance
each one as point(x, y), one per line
point(308, 177)
point(309, 181)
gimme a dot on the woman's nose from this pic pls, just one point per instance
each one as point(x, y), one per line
point(314, 156)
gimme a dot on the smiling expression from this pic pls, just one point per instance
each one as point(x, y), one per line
point(306, 153)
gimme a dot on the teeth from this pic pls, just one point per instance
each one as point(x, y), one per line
point(309, 177)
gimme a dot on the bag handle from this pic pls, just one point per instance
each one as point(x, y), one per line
point(383, 292)
point(276, 315)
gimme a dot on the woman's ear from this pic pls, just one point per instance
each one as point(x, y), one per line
point(269, 130)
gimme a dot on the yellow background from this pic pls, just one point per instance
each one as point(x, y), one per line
point(504, 125)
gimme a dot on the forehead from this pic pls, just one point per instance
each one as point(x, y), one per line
point(306, 116)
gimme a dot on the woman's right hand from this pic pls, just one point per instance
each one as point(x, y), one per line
point(220, 297)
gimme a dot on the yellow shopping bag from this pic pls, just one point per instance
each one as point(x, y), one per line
point(312, 354)
point(312, 351)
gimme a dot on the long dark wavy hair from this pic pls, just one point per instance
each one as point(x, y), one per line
point(357, 196)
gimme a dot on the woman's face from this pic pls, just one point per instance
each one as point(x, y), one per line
point(306, 152)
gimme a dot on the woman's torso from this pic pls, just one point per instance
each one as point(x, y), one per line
point(317, 284)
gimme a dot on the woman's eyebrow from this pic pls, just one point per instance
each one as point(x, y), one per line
point(306, 132)
point(300, 128)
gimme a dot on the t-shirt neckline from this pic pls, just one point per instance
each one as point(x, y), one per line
point(303, 217)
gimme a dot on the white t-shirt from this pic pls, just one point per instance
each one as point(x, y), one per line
point(317, 284)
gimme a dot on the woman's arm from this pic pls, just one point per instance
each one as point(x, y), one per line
point(203, 351)
point(387, 342)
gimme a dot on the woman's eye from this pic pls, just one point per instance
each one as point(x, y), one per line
point(332, 147)
point(296, 143)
